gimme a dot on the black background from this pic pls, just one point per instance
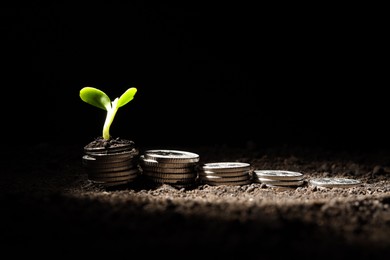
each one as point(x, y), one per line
point(206, 74)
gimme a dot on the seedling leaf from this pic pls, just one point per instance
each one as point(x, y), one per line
point(95, 97)
point(126, 97)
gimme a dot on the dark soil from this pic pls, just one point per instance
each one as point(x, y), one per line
point(49, 207)
point(113, 143)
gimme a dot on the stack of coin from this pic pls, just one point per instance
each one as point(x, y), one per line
point(173, 167)
point(279, 178)
point(225, 173)
point(111, 166)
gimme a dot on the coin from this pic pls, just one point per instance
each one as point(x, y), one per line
point(238, 183)
point(226, 166)
point(280, 182)
point(279, 175)
point(150, 162)
point(170, 176)
point(334, 182)
point(111, 157)
point(224, 174)
point(281, 188)
point(171, 181)
point(108, 150)
point(113, 169)
point(91, 162)
point(167, 170)
point(171, 156)
point(216, 178)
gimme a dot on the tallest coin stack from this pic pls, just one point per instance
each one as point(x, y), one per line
point(174, 167)
point(113, 165)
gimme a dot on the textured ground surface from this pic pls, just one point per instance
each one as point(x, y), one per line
point(50, 207)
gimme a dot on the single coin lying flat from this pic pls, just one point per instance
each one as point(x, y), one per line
point(334, 182)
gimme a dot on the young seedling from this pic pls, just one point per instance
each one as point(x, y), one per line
point(99, 99)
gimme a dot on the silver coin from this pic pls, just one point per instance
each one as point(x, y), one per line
point(224, 174)
point(334, 182)
point(170, 181)
point(171, 156)
point(280, 182)
point(111, 149)
point(235, 183)
point(112, 157)
point(176, 176)
point(281, 188)
point(150, 162)
point(167, 170)
point(223, 179)
point(226, 166)
point(93, 163)
point(279, 175)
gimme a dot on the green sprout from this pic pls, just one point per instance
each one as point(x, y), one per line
point(99, 99)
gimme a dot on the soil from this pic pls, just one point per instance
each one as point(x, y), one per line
point(49, 207)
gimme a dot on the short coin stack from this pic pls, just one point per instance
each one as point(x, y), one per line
point(279, 178)
point(111, 166)
point(334, 182)
point(225, 173)
point(174, 167)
